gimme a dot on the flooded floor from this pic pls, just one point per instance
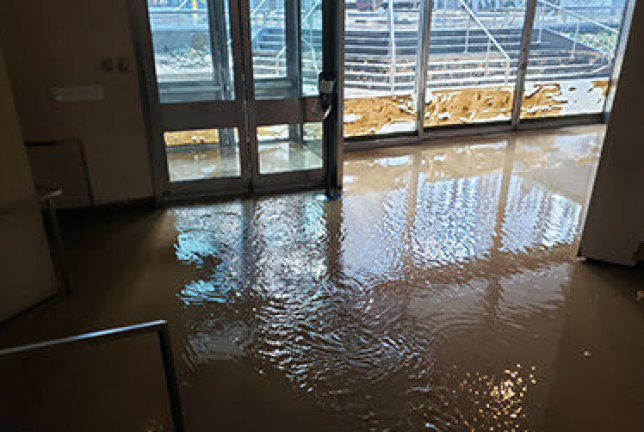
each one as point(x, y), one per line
point(441, 293)
point(214, 161)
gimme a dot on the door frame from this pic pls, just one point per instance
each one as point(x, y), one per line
point(242, 111)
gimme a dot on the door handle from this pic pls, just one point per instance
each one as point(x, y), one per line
point(326, 87)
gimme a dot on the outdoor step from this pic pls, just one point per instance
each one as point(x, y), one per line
point(477, 74)
point(466, 66)
point(474, 44)
point(473, 69)
point(379, 41)
point(498, 79)
point(455, 54)
point(379, 51)
point(263, 46)
point(455, 61)
point(535, 70)
point(478, 70)
point(378, 33)
point(385, 88)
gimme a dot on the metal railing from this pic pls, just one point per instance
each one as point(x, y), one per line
point(579, 19)
point(197, 18)
point(181, 11)
point(257, 31)
point(104, 336)
point(491, 41)
point(391, 21)
point(309, 43)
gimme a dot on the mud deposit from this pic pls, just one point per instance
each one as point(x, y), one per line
point(371, 116)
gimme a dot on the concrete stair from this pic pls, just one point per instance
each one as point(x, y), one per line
point(457, 58)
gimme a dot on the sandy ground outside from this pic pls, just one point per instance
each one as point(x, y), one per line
point(376, 115)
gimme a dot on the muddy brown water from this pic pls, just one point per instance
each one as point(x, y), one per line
point(442, 293)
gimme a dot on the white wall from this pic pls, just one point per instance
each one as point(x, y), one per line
point(50, 43)
point(26, 272)
point(615, 221)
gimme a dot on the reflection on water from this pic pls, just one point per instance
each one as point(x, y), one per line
point(420, 301)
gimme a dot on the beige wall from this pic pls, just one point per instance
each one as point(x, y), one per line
point(615, 221)
point(26, 271)
point(63, 43)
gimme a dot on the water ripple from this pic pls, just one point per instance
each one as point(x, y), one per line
point(392, 306)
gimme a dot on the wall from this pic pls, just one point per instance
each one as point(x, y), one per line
point(615, 221)
point(26, 271)
point(63, 43)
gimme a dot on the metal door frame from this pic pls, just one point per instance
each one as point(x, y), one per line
point(240, 112)
point(296, 109)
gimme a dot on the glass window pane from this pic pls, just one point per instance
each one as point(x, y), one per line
point(381, 45)
point(268, 40)
point(202, 154)
point(284, 148)
point(192, 50)
point(311, 36)
point(287, 47)
point(571, 57)
point(473, 60)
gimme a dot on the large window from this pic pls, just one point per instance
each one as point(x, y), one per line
point(381, 57)
point(287, 58)
point(191, 65)
point(474, 59)
point(571, 56)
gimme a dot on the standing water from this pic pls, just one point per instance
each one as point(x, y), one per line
point(441, 293)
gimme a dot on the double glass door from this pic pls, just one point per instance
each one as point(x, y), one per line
point(234, 97)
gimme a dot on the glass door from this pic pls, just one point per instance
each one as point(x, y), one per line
point(287, 58)
point(195, 92)
point(233, 92)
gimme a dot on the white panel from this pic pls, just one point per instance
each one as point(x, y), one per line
point(78, 93)
point(615, 221)
point(26, 268)
point(27, 271)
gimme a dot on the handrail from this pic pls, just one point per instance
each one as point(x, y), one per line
point(278, 57)
point(306, 17)
point(257, 8)
point(311, 10)
point(309, 42)
point(254, 12)
point(179, 10)
point(485, 30)
point(159, 10)
point(579, 16)
point(109, 335)
point(393, 56)
point(491, 41)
